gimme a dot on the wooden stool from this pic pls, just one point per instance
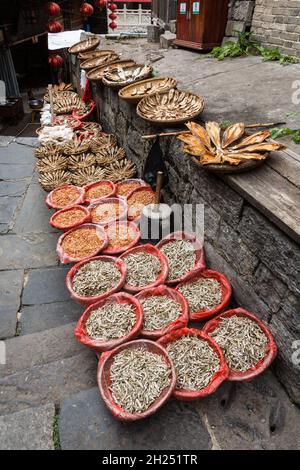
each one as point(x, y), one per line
point(34, 112)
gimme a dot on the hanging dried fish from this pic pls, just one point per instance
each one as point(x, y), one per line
point(243, 342)
point(142, 269)
point(138, 377)
point(181, 258)
point(95, 278)
point(202, 294)
point(111, 321)
point(195, 362)
point(159, 311)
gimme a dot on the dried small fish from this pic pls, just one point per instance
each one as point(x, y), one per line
point(142, 268)
point(138, 377)
point(120, 170)
point(195, 362)
point(181, 257)
point(84, 160)
point(243, 342)
point(52, 163)
point(159, 311)
point(92, 174)
point(95, 278)
point(53, 179)
point(111, 321)
point(124, 76)
point(202, 294)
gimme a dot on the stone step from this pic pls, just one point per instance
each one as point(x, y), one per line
point(25, 352)
point(30, 429)
point(47, 383)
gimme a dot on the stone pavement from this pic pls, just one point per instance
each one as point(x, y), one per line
point(48, 389)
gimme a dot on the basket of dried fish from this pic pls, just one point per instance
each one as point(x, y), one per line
point(135, 379)
point(105, 58)
point(88, 175)
point(99, 190)
point(90, 127)
point(122, 76)
point(232, 151)
point(136, 92)
point(61, 95)
point(84, 46)
point(107, 210)
point(54, 179)
point(84, 111)
point(95, 279)
point(248, 345)
point(110, 322)
point(146, 267)
point(199, 363)
point(122, 236)
point(65, 196)
point(98, 73)
point(84, 160)
point(109, 154)
point(120, 170)
point(137, 199)
point(47, 150)
point(66, 104)
point(124, 188)
point(94, 54)
point(170, 108)
point(164, 310)
point(69, 218)
point(102, 140)
point(76, 147)
point(67, 120)
point(62, 86)
point(81, 243)
point(52, 163)
point(207, 292)
point(185, 256)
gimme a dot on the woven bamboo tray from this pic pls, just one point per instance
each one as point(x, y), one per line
point(107, 58)
point(150, 87)
point(226, 168)
point(94, 54)
point(161, 108)
point(97, 73)
point(122, 84)
point(84, 46)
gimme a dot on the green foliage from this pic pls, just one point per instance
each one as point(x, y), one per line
point(56, 438)
point(278, 132)
point(244, 46)
point(224, 124)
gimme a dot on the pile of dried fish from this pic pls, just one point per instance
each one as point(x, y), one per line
point(243, 342)
point(172, 106)
point(148, 87)
point(109, 154)
point(53, 179)
point(124, 76)
point(108, 58)
point(76, 146)
point(84, 160)
point(195, 362)
point(138, 378)
point(88, 175)
point(111, 321)
point(142, 268)
point(95, 278)
point(181, 257)
point(233, 147)
point(203, 294)
point(52, 163)
point(120, 170)
point(66, 104)
point(47, 150)
point(84, 46)
point(159, 311)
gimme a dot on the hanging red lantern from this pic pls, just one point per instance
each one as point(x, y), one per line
point(52, 9)
point(113, 7)
point(86, 9)
point(113, 25)
point(56, 61)
point(100, 3)
point(112, 16)
point(54, 27)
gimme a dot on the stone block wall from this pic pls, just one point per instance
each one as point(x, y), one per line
point(262, 262)
point(240, 14)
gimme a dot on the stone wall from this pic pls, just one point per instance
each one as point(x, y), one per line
point(239, 17)
point(262, 263)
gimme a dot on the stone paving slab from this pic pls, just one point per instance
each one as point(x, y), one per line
point(30, 429)
point(13, 188)
point(35, 318)
point(8, 208)
point(15, 172)
point(27, 351)
point(16, 154)
point(11, 283)
point(86, 424)
point(28, 251)
point(34, 215)
point(46, 286)
point(46, 383)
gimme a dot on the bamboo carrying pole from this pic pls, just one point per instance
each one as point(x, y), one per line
point(51, 104)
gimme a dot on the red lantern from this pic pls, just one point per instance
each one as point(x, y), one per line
point(86, 9)
point(113, 7)
point(56, 61)
point(52, 9)
point(54, 27)
point(113, 25)
point(100, 3)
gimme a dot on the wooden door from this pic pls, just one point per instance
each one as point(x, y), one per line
point(183, 11)
point(196, 22)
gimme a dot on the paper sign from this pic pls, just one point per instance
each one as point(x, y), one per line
point(183, 8)
point(196, 8)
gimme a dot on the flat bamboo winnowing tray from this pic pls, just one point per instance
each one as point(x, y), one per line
point(107, 58)
point(84, 46)
point(97, 73)
point(137, 91)
point(94, 54)
point(170, 108)
point(132, 74)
